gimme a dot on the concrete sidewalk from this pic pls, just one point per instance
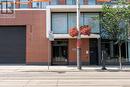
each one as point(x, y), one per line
point(41, 68)
point(63, 76)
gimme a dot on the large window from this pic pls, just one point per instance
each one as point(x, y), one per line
point(72, 20)
point(92, 20)
point(24, 4)
point(59, 22)
point(62, 22)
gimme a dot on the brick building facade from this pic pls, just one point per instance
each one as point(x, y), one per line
point(37, 19)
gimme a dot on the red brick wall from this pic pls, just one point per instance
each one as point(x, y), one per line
point(84, 48)
point(36, 41)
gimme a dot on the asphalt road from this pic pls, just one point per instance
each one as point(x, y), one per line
point(30, 78)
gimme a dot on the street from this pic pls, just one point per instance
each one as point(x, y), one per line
point(22, 76)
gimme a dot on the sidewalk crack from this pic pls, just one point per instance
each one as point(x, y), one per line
point(27, 83)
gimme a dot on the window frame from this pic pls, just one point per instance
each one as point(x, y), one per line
point(99, 15)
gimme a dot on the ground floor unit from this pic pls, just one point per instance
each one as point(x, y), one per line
point(23, 40)
point(18, 45)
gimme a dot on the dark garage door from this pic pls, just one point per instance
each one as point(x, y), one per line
point(12, 44)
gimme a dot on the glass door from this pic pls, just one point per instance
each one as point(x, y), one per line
point(59, 53)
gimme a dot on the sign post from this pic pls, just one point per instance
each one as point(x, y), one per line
point(51, 38)
point(79, 36)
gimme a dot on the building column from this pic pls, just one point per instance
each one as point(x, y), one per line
point(129, 50)
point(99, 51)
point(126, 48)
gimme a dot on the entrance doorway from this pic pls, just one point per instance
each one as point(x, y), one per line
point(93, 51)
point(60, 52)
point(12, 44)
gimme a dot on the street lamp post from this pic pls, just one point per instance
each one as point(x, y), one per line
point(79, 36)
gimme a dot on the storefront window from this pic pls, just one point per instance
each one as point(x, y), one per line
point(112, 51)
point(129, 50)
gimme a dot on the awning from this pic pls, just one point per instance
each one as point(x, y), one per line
point(67, 36)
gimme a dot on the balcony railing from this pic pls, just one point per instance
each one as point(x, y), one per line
point(72, 2)
point(29, 4)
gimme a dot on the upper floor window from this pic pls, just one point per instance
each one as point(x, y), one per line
point(7, 7)
point(67, 2)
point(54, 2)
point(35, 4)
point(59, 23)
point(39, 4)
point(72, 20)
point(71, 2)
point(92, 19)
point(107, 2)
point(62, 22)
point(91, 2)
point(24, 4)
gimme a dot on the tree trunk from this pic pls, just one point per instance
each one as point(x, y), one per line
point(111, 49)
point(120, 59)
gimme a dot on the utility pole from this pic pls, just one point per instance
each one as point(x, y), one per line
point(78, 37)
